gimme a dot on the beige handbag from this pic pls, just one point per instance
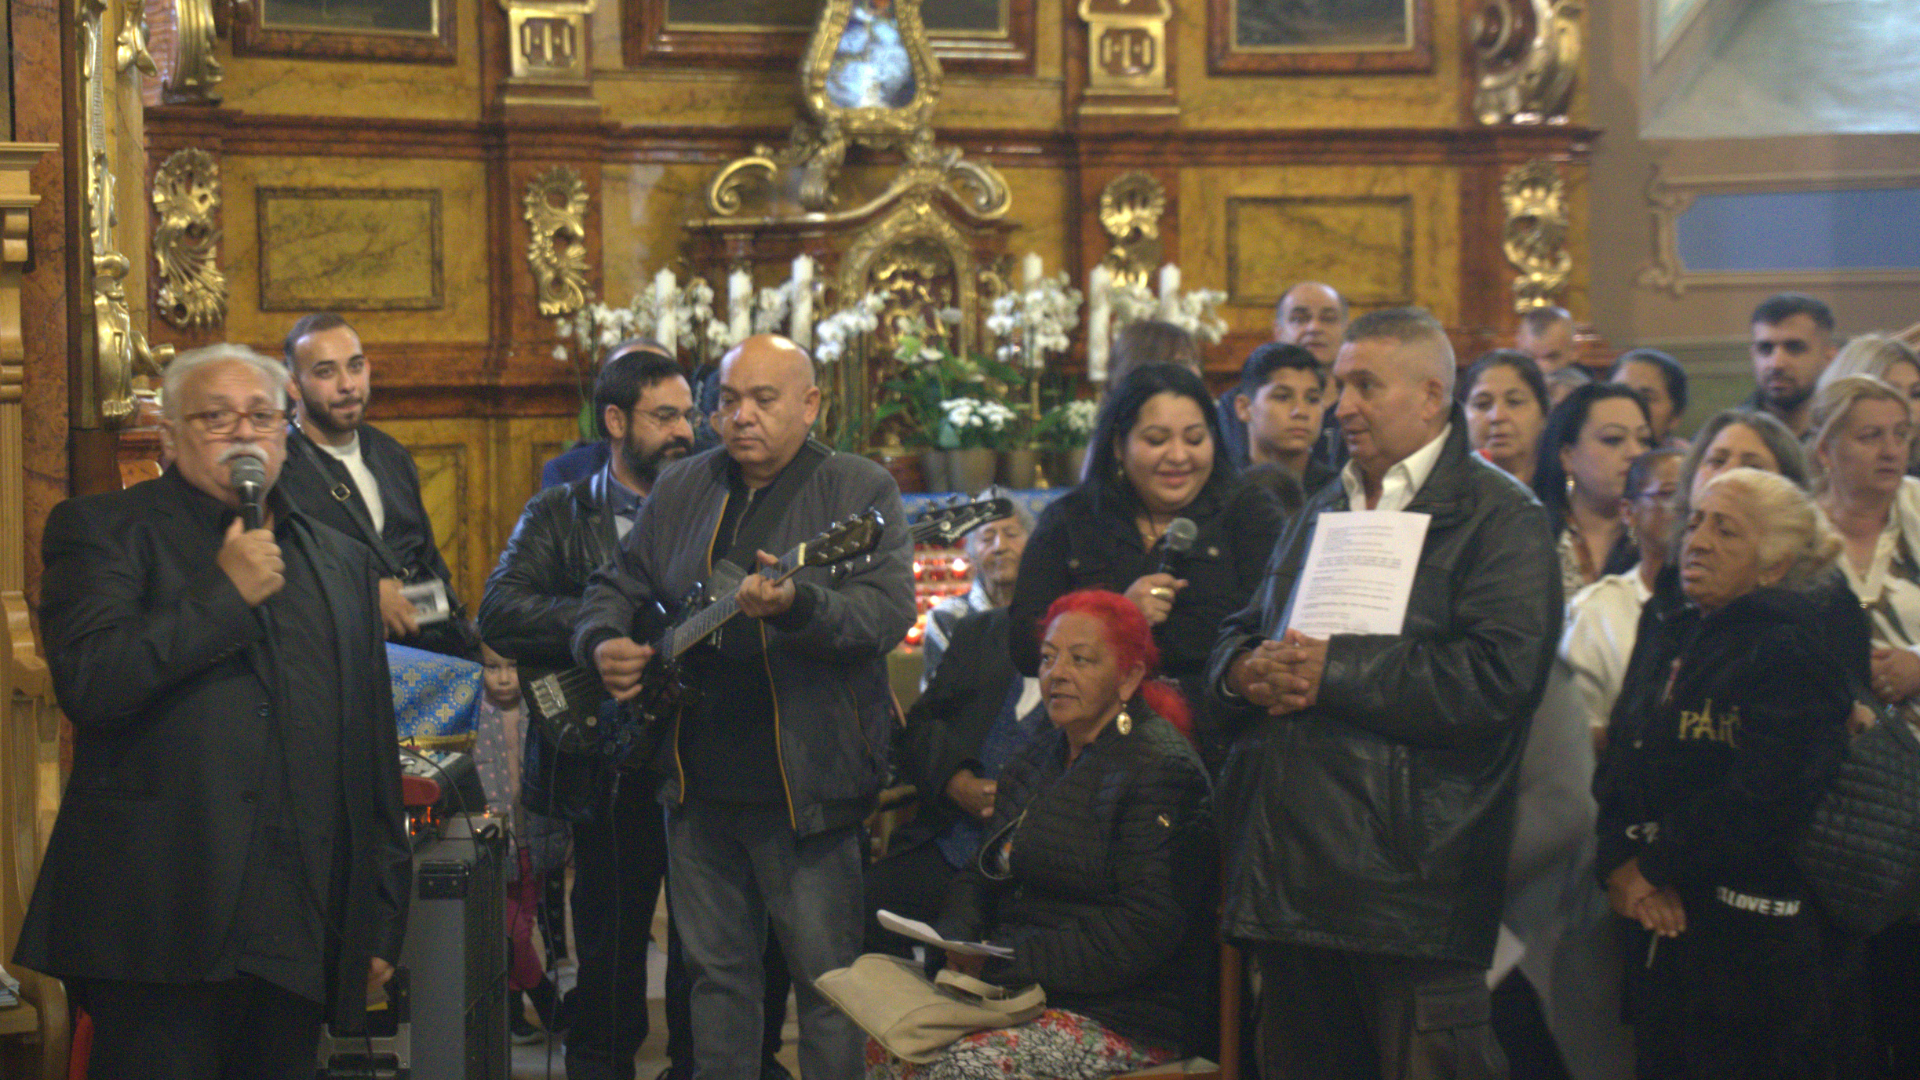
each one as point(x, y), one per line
point(915, 1019)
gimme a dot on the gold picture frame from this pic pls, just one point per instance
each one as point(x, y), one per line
point(869, 71)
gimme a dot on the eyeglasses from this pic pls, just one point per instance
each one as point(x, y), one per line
point(227, 421)
point(666, 415)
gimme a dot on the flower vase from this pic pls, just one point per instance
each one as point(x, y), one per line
point(970, 471)
point(1065, 466)
point(933, 466)
point(1019, 469)
point(907, 471)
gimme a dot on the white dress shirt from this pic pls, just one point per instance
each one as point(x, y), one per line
point(1402, 482)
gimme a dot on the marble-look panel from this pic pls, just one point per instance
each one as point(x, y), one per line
point(1315, 101)
point(456, 489)
point(1312, 221)
point(37, 117)
point(464, 221)
point(644, 209)
point(389, 90)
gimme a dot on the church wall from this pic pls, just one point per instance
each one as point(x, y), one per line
point(1384, 183)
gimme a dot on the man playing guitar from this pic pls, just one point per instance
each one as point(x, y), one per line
point(777, 758)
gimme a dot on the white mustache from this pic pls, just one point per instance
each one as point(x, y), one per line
point(243, 450)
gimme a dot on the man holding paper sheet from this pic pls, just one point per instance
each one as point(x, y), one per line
point(1367, 802)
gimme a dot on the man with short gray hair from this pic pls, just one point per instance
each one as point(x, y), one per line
point(1370, 787)
point(230, 864)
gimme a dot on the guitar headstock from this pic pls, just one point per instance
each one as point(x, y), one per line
point(945, 524)
point(843, 540)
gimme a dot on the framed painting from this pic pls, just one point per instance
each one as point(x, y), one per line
point(1327, 37)
point(969, 36)
point(417, 31)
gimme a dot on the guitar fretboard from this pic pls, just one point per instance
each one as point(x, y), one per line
point(708, 619)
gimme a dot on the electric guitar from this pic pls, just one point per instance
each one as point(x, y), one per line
point(577, 714)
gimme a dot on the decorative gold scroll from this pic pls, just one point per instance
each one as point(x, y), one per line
point(556, 214)
point(186, 240)
point(1526, 55)
point(1535, 238)
point(1130, 211)
point(115, 351)
point(196, 70)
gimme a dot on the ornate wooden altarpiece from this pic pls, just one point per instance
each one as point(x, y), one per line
point(931, 237)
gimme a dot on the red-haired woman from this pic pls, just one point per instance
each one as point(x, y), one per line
point(1098, 871)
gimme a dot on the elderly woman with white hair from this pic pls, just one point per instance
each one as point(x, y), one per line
point(1720, 744)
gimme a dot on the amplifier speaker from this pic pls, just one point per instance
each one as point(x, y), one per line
point(448, 1020)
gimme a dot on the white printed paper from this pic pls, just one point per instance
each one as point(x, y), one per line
point(1358, 574)
point(921, 932)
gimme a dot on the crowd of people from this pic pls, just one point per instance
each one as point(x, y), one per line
point(1545, 828)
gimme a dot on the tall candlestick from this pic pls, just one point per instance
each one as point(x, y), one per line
point(801, 329)
point(740, 305)
point(1099, 322)
point(1031, 268)
point(1169, 290)
point(666, 300)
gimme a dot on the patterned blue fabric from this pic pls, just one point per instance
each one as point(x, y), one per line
point(432, 694)
point(1008, 736)
point(1033, 499)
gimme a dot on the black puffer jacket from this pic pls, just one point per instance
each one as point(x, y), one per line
point(1114, 863)
point(1379, 820)
point(1727, 728)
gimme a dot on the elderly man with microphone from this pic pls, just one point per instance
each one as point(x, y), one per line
point(230, 863)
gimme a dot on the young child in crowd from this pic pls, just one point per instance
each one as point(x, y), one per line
point(539, 842)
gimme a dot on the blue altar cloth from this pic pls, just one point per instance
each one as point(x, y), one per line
point(432, 694)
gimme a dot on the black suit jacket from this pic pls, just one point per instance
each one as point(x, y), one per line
point(161, 667)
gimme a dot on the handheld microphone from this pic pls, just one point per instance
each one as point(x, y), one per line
point(1177, 540)
point(249, 478)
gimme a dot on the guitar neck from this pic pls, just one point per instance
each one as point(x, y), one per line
point(697, 627)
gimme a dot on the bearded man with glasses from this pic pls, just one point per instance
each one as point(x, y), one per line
point(230, 863)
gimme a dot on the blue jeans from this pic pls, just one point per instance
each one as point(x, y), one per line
point(732, 870)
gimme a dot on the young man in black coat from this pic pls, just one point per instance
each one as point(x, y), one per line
point(351, 475)
point(230, 862)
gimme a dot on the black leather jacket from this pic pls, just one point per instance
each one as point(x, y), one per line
point(527, 615)
point(1379, 820)
point(1110, 903)
point(533, 595)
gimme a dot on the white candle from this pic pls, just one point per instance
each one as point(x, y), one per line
point(1169, 290)
point(666, 299)
point(801, 328)
point(1031, 268)
point(1099, 322)
point(740, 304)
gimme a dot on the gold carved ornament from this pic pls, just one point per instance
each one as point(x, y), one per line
point(1130, 210)
point(556, 214)
point(117, 351)
point(1526, 55)
point(195, 70)
point(1127, 57)
point(1535, 238)
point(186, 240)
point(869, 77)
